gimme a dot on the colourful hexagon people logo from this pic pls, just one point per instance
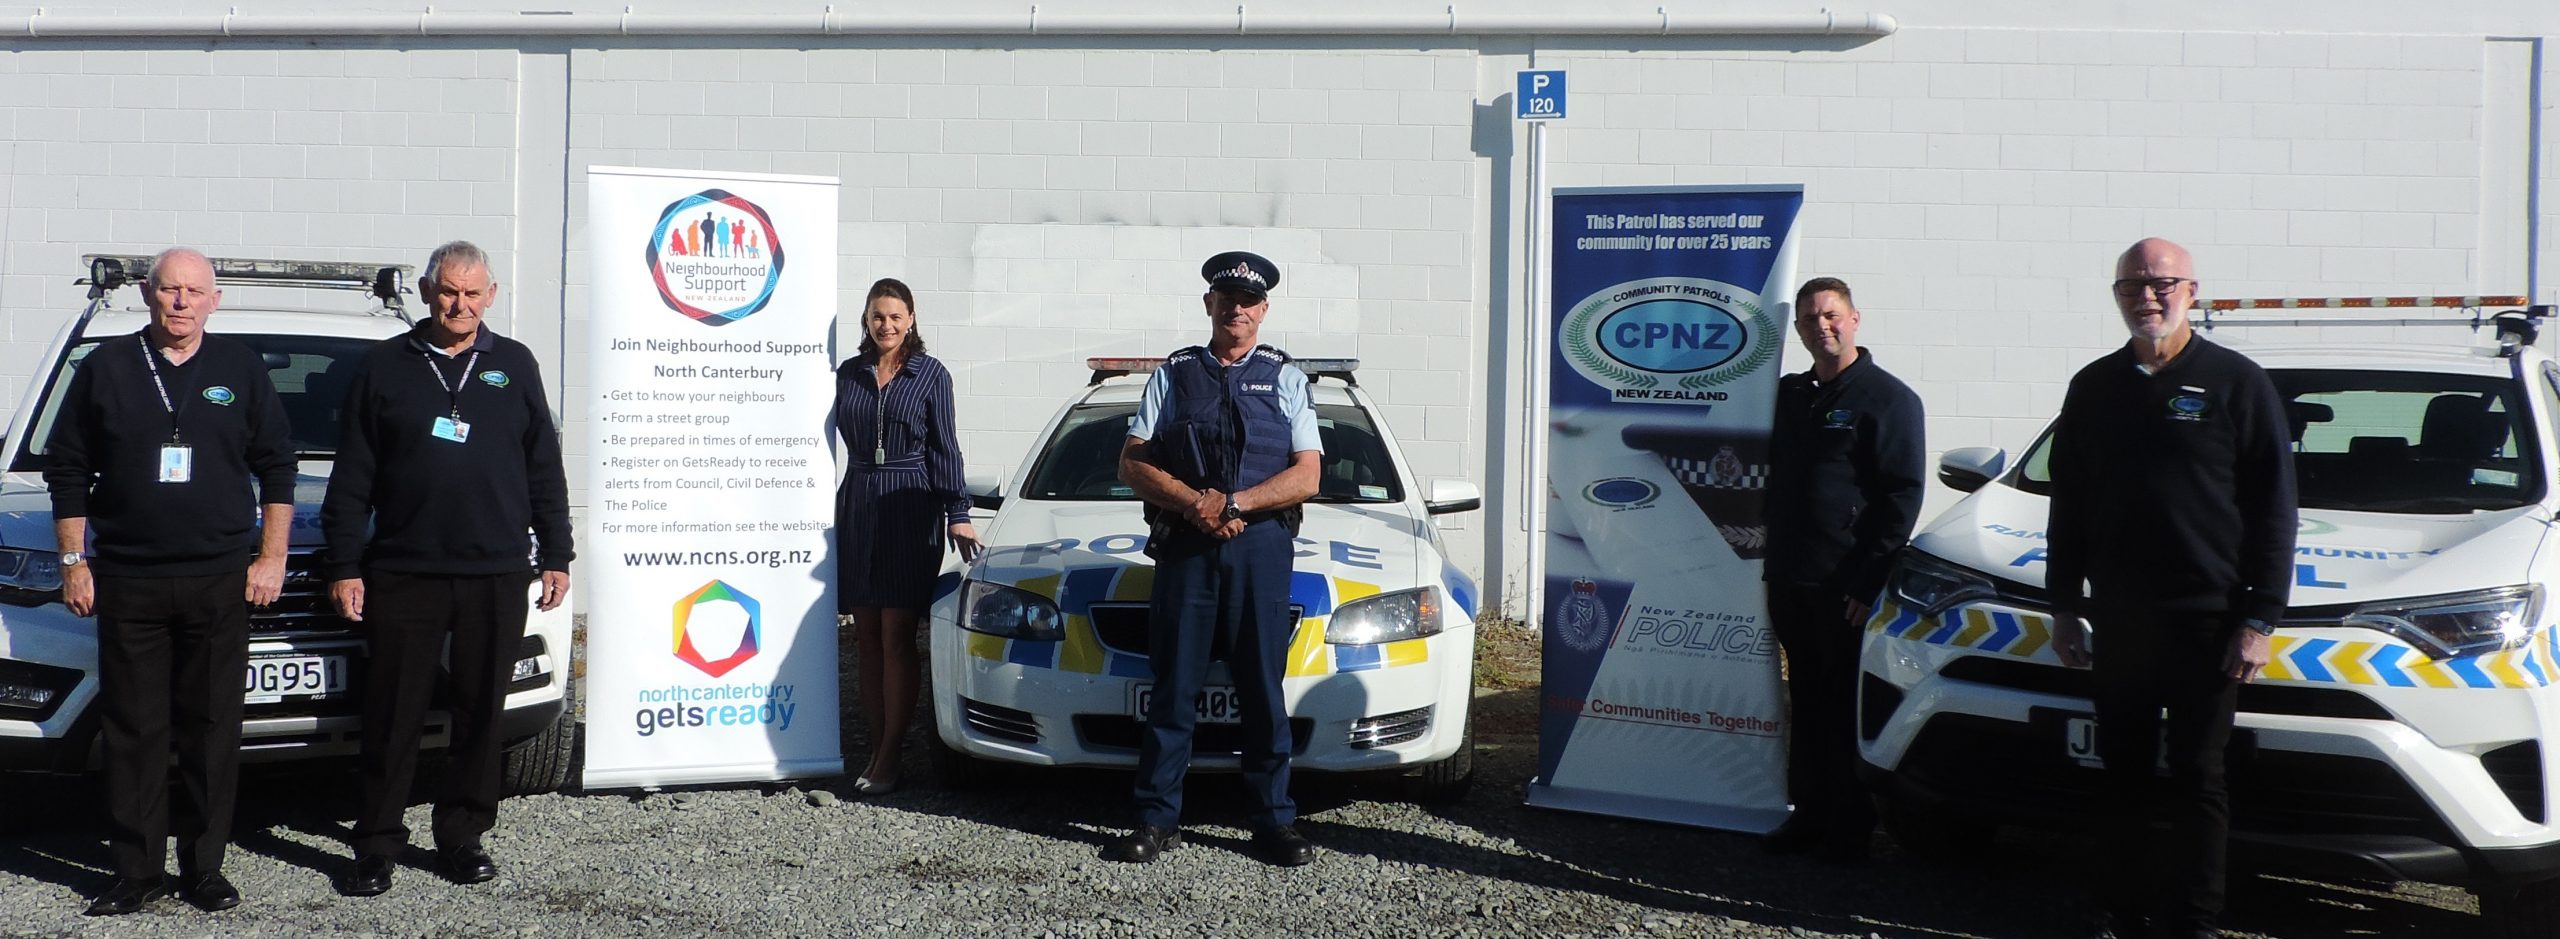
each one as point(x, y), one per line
point(750, 637)
point(715, 256)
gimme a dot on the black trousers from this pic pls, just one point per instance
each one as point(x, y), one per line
point(171, 655)
point(1211, 596)
point(408, 621)
point(2146, 665)
point(1822, 698)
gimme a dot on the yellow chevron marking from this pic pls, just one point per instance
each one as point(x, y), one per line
point(2435, 675)
point(1408, 652)
point(1082, 650)
point(2279, 664)
point(2347, 660)
point(1308, 655)
point(1345, 591)
point(1136, 583)
point(1884, 615)
point(985, 646)
point(2039, 631)
point(1045, 585)
point(2502, 667)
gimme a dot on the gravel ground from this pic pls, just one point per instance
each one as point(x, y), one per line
point(1019, 859)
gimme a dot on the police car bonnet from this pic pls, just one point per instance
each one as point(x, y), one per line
point(1241, 270)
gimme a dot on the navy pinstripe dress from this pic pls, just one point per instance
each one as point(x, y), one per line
point(903, 484)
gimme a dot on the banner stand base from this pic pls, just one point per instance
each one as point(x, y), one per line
point(1748, 821)
point(652, 777)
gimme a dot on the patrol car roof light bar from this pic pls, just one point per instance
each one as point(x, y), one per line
point(385, 282)
point(2317, 311)
point(1107, 367)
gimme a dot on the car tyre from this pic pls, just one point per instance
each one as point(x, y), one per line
point(541, 763)
point(1447, 779)
point(1939, 832)
point(2528, 912)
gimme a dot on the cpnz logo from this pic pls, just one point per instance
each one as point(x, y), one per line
point(715, 257)
point(718, 616)
point(1668, 339)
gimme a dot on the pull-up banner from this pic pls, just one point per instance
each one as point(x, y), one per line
point(711, 643)
point(1670, 307)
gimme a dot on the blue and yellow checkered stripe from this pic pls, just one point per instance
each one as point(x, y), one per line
point(2295, 658)
point(1082, 651)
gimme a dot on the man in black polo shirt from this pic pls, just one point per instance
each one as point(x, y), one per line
point(158, 442)
point(1844, 491)
point(447, 449)
point(2173, 509)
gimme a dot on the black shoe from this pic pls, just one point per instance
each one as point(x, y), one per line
point(466, 865)
point(126, 895)
point(1143, 844)
point(1283, 846)
point(371, 878)
point(210, 892)
point(1793, 836)
point(2112, 925)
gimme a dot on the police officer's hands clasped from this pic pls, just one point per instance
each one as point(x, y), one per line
point(1208, 511)
point(79, 590)
point(348, 594)
point(2250, 651)
point(964, 539)
point(2071, 641)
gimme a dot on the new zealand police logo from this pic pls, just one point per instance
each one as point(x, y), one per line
point(715, 257)
point(2186, 408)
point(1668, 339)
point(220, 395)
point(1582, 620)
point(494, 378)
point(1726, 469)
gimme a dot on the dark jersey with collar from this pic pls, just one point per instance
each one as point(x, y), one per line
point(105, 457)
point(1845, 477)
point(2172, 490)
point(440, 506)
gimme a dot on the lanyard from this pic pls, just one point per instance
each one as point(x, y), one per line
point(152, 362)
point(453, 392)
point(880, 416)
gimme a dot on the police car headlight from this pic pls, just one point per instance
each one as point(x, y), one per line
point(30, 578)
point(1387, 617)
point(2459, 624)
point(998, 610)
point(1932, 586)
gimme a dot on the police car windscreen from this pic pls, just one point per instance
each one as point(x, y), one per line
point(2380, 441)
point(311, 374)
point(1082, 459)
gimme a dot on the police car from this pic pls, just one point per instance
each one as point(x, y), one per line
point(2405, 729)
point(305, 663)
point(1039, 648)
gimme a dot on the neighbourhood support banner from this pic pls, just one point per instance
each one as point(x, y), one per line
point(1661, 698)
point(709, 592)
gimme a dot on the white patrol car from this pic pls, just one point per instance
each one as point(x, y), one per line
point(305, 663)
point(2407, 724)
point(1039, 649)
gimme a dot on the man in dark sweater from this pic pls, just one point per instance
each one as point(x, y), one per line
point(449, 452)
point(2171, 527)
point(1844, 490)
point(165, 441)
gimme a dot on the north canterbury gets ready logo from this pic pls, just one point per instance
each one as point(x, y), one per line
point(716, 617)
point(715, 256)
point(712, 615)
point(1668, 340)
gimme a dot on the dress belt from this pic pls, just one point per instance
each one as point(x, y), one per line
point(912, 464)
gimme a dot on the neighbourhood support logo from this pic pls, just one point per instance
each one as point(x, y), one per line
point(750, 634)
point(715, 257)
point(1668, 339)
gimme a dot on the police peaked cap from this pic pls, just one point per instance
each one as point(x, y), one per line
point(1241, 270)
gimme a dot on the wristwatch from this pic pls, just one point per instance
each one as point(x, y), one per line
point(2259, 626)
point(1232, 512)
point(70, 559)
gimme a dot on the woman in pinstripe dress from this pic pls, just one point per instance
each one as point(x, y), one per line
point(902, 495)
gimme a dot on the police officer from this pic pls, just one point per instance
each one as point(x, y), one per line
point(448, 454)
point(1223, 449)
point(1844, 490)
point(159, 441)
point(2171, 527)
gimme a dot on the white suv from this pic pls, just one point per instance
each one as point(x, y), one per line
point(2404, 730)
point(305, 662)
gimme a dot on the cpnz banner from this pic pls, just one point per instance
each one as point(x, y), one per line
point(711, 643)
point(1661, 692)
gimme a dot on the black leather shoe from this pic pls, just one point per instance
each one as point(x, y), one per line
point(1143, 845)
point(126, 895)
point(1283, 846)
point(371, 878)
point(466, 865)
point(209, 891)
point(1793, 836)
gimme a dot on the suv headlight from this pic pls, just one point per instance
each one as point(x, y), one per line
point(1013, 613)
point(1931, 586)
point(30, 578)
point(2457, 624)
point(1387, 617)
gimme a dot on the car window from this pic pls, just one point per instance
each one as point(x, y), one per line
point(1081, 461)
point(2378, 441)
point(311, 375)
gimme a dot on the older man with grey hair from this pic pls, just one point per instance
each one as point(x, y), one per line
point(447, 502)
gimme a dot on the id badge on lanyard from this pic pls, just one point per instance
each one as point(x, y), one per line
point(177, 459)
point(451, 426)
point(177, 463)
point(453, 429)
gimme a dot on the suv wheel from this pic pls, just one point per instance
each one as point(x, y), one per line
point(2528, 912)
point(541, 763)
point(1446, 780)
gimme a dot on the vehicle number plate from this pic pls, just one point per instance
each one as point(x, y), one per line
point(275, 678)
point(2080, 741)
point(1214, 704)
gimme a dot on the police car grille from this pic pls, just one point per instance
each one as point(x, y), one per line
point(2517, 767)
point(304, 607)
point(1122, 627)
point(2295, 700)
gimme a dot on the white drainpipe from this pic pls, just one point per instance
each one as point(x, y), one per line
point(1663, 21)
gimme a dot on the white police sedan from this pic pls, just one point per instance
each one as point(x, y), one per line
point(1039, 648)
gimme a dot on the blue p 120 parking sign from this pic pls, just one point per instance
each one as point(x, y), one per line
point(1541, 96)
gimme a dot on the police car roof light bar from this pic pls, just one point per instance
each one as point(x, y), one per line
point(2337, 311)
point(1109, 367)
point(384, 282)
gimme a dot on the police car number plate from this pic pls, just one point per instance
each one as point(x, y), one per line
point(277, 677)
point(1214, 705)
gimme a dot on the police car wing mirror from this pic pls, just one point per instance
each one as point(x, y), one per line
point(1445, 496)
point(985, 488)
point(1966, 469)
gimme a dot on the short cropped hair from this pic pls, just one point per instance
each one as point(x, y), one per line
point(461, 253)
point(1822, 285)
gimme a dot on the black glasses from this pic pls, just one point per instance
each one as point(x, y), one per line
point(2132, 287)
